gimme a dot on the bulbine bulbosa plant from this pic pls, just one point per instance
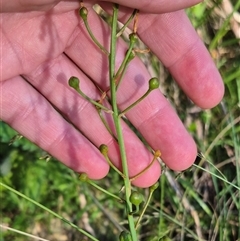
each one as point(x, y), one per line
point(135, 205)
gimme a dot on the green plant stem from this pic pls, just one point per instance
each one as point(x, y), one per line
point(135, 11)
point(113, 166)
point(162, 195)
point(144, 209)
point(94, 102)
point(135, 103)
point(217, 176)
point(223, 30)
point(50, 211)
point(94, 39)
point(216, 139)
point(122, 69)
point(117, 122)
point(75, 83)
point(146, 168)
point(23, 233)
point(104, 190)
point(105, 123)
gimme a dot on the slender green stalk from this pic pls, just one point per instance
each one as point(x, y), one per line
point(94, 39)
point(135, 11)
point(50, 211)
point(153, 84)
point(104, 150)
point(156, 155)
point(105, 123)
point(83, 12)
point(223, 30)
point(122, 69)
point(151, 191)
point(216, 139)
point(117, 122)
point(23, 233)
point(104, 190)
point(135, 103)
point(162, 194)
point(74, 83)
point(217, 176)
point(144, 209)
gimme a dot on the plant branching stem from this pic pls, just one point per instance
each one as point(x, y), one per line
point(117, 122)
point(144, 209)
point(156, 155)
point(105, 191)
point(113, 166)
point(122, 69)
point(134, 13)
point(135, 103)
point(94, 38)
point(106, 124)
point(102, 107)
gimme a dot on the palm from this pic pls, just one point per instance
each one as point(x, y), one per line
point(48, 47)
point(32, 38)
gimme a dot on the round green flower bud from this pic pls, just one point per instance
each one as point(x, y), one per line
point(153, 83)
point(74, 82)
point(83, 12)
point(103, 149)
point(136, 198)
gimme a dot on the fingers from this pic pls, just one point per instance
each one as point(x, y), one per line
point(51, 80)
point(174, 41)
point(28, 112)
point(153, 117)
point(172, 38)
point(157, 6)
point(146, 6)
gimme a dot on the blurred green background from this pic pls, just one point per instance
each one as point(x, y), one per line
point(194, 205)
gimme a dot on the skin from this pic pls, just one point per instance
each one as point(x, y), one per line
point(43, 45)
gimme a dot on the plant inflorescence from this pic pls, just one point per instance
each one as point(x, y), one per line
point(132, 199)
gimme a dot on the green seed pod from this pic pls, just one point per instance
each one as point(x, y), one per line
point(83, 177)
point(74, 82)
point(136, 198)
point(154, 187)
point(83, 12)
point(103, 149)
point(153, 83)
point(125, 236)
point(133, 38)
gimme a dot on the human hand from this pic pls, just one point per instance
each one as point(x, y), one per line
point(41, 49)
